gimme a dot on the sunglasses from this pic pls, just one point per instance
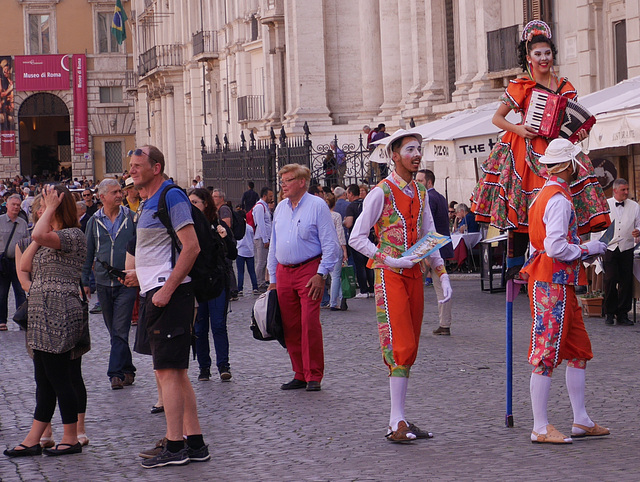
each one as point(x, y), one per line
point(140, 152)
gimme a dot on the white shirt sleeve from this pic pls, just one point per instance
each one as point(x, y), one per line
point(371, 212)
point(556, 218)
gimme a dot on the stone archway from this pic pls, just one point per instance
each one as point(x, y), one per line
point(45, 136)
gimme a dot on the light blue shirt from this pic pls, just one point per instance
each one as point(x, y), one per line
point(300, 234)
point(112, 227)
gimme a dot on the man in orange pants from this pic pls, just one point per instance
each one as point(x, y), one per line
point(553, 271)
point(399, 210)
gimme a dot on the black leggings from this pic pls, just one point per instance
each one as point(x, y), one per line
point(57, 376)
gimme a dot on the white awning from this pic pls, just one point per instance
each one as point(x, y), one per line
point(617, 111)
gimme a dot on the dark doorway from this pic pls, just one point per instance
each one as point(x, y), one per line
point(45, 137)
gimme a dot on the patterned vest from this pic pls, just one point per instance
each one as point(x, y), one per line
point(400, 224)
point(541, 267)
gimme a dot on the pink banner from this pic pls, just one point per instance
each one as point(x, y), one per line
point(8, 143)
point(80, 113)
point(7, 109)
point(42, 72)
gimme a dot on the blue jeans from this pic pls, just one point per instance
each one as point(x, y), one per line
point(240, 262)
point(117, 306)
point(214, 311)
point(6, 281)
point(336, 286)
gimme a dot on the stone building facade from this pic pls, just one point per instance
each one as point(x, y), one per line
point(223, 67)
point(43, 120)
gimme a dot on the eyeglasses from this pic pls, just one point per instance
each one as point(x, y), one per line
point(87, 195)
point(288, 181)
point(140, 152)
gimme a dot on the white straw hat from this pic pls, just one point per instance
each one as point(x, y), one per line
point(382, 153)
point(561, 150)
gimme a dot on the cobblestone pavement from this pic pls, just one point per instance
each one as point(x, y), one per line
point(255, 431)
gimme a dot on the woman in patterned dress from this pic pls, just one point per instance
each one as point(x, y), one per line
point(56, 331)
point(513, 174)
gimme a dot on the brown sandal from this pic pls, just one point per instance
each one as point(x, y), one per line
point(595, 431)
point(553, 436)
point(402, 435)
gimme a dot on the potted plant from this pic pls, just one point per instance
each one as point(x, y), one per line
point(592, 303)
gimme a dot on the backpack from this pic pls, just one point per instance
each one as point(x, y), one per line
point(209, 272)
point(238, 224)
point(250, 221)
point(266, 320)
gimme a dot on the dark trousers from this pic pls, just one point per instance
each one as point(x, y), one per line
point(618, 281)
point(364, 275)
point(240, 262)
point(117, 307)
point(6, 281)
point(215, 312)
point(55, 378)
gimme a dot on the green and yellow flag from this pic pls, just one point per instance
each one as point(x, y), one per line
point(117, 25)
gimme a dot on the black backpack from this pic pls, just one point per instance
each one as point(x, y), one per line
point(238, 224)
point(209, 272)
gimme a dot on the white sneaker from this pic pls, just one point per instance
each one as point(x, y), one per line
point(362, 295)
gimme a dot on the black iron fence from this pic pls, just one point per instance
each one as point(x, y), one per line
point(230, 167)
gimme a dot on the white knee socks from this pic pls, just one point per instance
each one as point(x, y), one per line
point(539, 388)
point(575, 378)
point(398, 389)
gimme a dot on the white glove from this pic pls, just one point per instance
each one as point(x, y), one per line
point(446, 288)
point(402, 262)
point(595, 248)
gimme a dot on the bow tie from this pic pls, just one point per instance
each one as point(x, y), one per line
point(621, 203)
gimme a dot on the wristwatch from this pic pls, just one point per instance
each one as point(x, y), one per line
point(323, 276)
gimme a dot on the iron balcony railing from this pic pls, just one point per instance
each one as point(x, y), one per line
point(131, 80)
point(250, 108)
point(160, 56)
point(204, 43)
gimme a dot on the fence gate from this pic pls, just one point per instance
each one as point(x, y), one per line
point(230, 167)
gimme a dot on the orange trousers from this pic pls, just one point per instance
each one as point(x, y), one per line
point(399, 311)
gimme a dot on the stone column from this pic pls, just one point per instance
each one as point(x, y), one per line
point(465, 46)
point(389, 39)
point(487, 19)
point(161, 129)
point(405, 50)
point(305, 64)
point(370, 59)
point(170, 154)
point(633, 38)
point(435, 53)
point(418, 53)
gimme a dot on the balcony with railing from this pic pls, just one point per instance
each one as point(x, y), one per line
point(160, 56)
point(131, 80)
point(204, 46)
point(250, 108)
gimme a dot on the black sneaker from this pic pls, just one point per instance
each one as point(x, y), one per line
point(167, 458)
point(205, 375)
point(225, 373)
point(198, 455)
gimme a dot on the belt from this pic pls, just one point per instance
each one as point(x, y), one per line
point(303, 263)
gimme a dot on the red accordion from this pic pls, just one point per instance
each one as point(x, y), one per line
point(553, 115)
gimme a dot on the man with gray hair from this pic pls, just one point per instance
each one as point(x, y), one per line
point(12, 229)
point(108, 232)
point(618, 259)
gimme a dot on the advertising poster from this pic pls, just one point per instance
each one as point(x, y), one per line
point(42, 72)
point(7, 107)
point(80, 112)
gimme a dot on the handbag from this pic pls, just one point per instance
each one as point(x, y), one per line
point(4, 260)
point(348, 282)
point(266, 321)
point(22, 314)
point(84, 344)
